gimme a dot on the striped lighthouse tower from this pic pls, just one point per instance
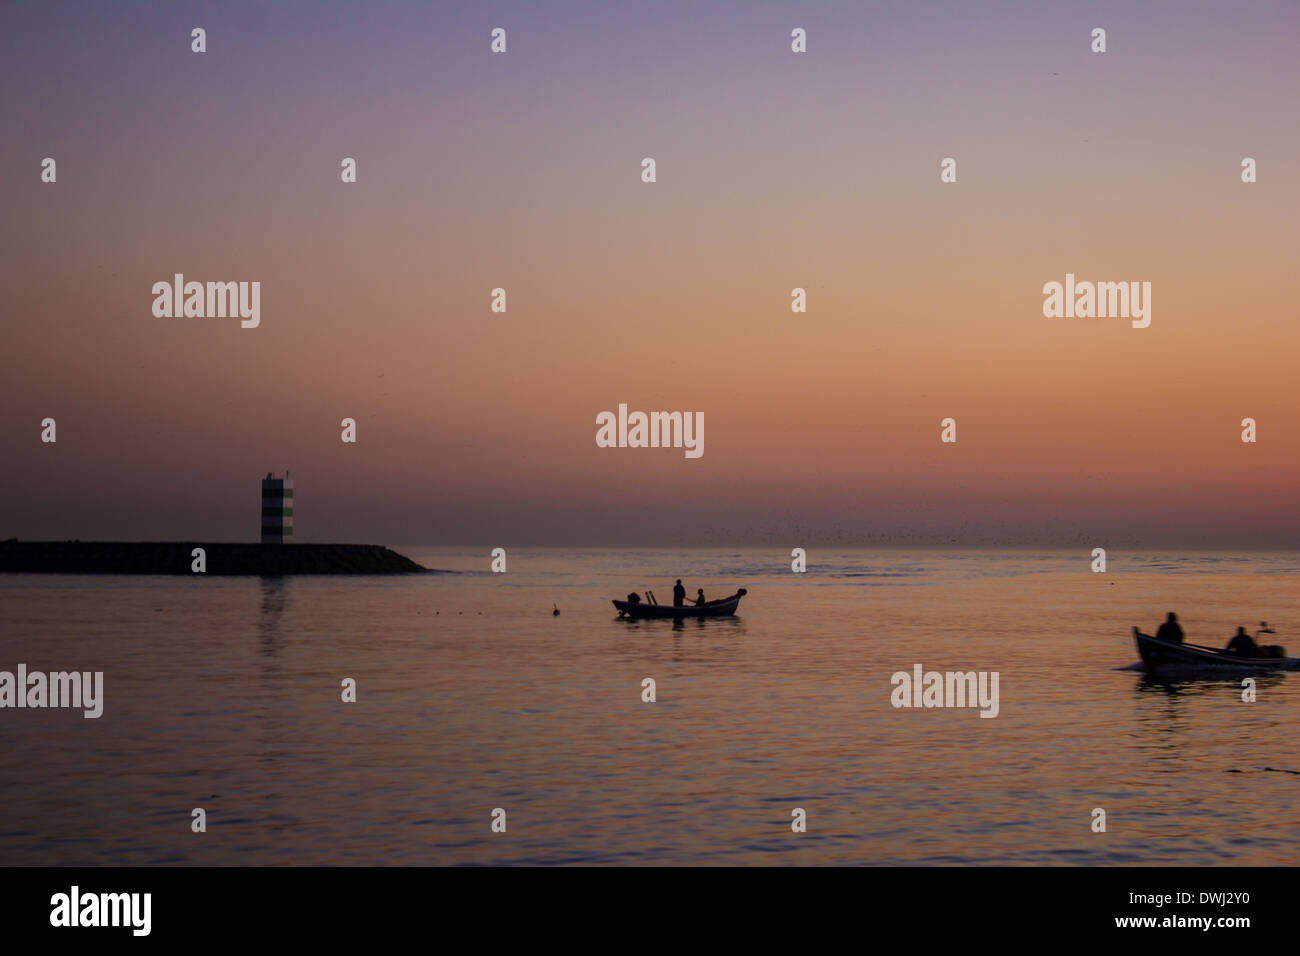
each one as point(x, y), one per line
point(277, 509)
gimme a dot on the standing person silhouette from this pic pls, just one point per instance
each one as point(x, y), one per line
point(679, 594)
point(1171, 630)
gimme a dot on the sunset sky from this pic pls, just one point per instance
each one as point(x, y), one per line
point(775, 170)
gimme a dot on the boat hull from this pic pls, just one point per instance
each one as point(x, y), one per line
point(726, 607)
point(1162, 655)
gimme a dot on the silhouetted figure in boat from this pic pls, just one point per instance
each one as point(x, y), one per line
point(633, 598)
point(699, 597)
point(1243, 645)
point(1269, 650)
point(679, 594)
point(1171, 630)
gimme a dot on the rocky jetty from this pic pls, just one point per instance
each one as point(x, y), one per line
point(177, 557)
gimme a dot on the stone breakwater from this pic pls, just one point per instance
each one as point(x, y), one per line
point(176, 557)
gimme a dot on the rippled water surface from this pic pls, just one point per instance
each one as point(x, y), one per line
point(224, 693)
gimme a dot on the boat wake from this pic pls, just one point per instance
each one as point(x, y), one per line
point(1266, 770)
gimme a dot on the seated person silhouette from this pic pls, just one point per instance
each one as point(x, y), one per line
point(1243, 645)
point(633, 598)
point(1171, 630)
point(1268, 650)
point(679, 594)
point(699, 597)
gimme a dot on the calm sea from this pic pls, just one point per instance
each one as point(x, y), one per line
point(224, 693)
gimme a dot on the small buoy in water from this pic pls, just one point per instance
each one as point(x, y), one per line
point(556, 612)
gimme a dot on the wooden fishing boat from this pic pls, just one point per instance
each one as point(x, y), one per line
point(723, 607)
point(1162, 655)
